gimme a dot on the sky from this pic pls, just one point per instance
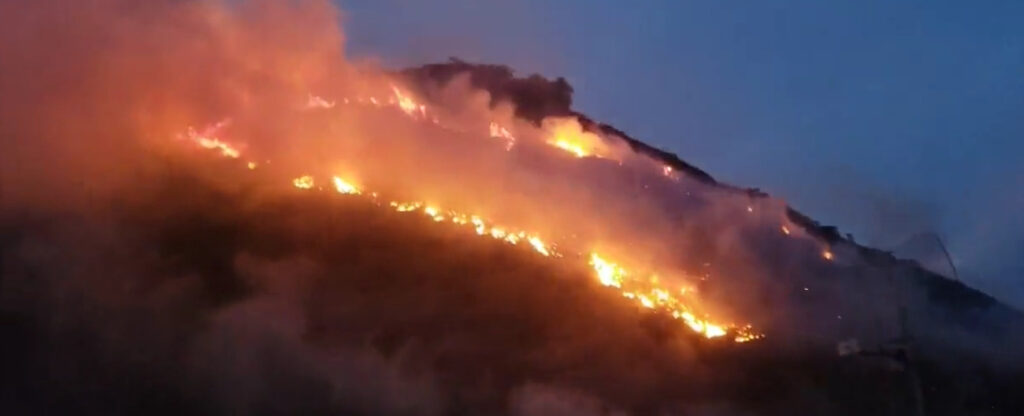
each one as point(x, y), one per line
point(884, 118)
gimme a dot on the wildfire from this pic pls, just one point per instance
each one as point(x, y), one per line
point(303, 182)
point(608, 273)
point(538, 245)
point(398, 99)
point(343, 187)
point(647, 292)
point(563, 133)
point(480, 227)
point(570, 147)
point(407, 104)
point(568, 135)
point(651, 295)
point(827, 255)
point(747, 334)
point(207, 139)
point(499, 132)
point(405, 206)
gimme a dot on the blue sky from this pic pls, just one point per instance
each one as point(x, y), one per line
point(884, 118)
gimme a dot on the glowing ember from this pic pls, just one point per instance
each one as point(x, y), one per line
point(568, 135)
point(650, 295)
point(827, 254)
point(317, 102)
point(703, 327)
point(608, 273)
point(303, 182)
point(344, 187)
point(406, 206)
point(499, 132)
point(785, 230)
point(746, 335)
point(570, 147)
point(646, 292)
point(538, 245)
point(407, 104)
point(207, 139)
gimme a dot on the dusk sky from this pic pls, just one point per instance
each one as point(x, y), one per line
point(884, 118)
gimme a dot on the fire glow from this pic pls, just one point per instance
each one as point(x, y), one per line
point(207, 139)
point(647, 292)
point(562, 133)
point(566, 134)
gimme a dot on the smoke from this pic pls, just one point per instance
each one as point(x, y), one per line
point(985, 245)
point(541, 400)
point(144, 273)
point(254, 357)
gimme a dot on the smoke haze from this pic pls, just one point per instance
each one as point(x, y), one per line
point(156, 257)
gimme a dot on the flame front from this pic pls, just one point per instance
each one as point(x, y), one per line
point(207, 139)
point(608, 273)
point(407, 104)
point(649, 292)
point(344, 187)
point(646, 290)
point(570, 147)
point(568, 135)
point(303, 182)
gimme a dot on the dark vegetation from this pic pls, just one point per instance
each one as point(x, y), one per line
point(196, 297)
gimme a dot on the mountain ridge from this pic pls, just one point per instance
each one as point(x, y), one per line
point(536, 97)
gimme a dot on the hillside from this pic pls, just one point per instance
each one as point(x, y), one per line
point(536, 98)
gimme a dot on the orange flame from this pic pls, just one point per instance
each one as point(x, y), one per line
point(647, 292)
point(344, 187)
point(568, 135)
point(207, 139)
point(303, 182)
point(408, 105)
point(570, 147)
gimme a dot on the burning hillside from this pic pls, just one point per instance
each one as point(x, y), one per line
point(207, 208)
